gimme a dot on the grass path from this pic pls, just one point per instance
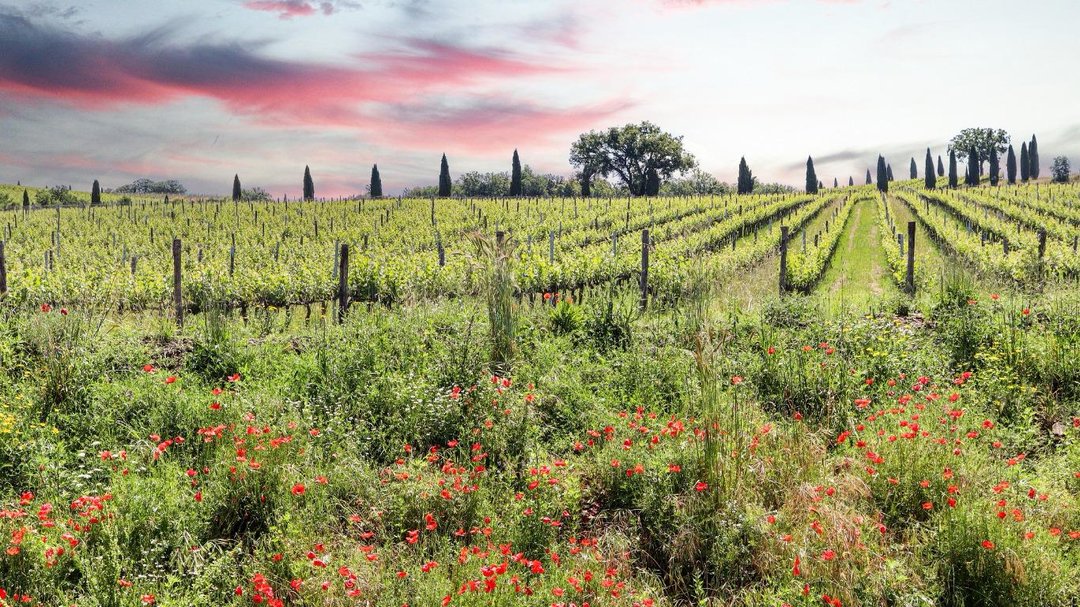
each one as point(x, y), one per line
point(858, 274)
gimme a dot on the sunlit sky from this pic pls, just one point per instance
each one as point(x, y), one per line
point(198, 90)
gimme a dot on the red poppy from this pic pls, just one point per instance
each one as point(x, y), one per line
point(988, 544)
point(298, 489)
point(701, 486)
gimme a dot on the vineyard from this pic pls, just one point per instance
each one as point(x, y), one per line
point(852, 397)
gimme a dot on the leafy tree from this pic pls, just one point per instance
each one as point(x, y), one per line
point(421, 191)
point(147, 186)
point(255, 194)
point(940, 167)
point(309, 185)
point(952, 169)
point(485, 185)
point(772, 188)
point(237, 191)
point(930, 182)
point(995, 167)
point(746, 178)
point(375, 185)
point(869, 179)
point(1060, 169)
point(630, 152)
point(1010, 166)
point(811, 177)
point(914, 170)
point(696, 183)
point(586, 183)
point(445, 184)
point(95, 193)
point(1025, 163)
point(973, 168)
point(979, 141)
point(515, 175)
point(1033, 157)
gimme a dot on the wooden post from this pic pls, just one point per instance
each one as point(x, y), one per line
point(551, 247)
point(232, 259)
point(343, 282)
point(178, 296)
point(1042, 244)
point(783, 258)
point(911, 257)
point(499, 236)
point(644, 270)
point(134, 261)
point(3, 271)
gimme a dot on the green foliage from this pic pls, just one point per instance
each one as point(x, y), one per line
point(978, 143)
point(1060, 170)
point(630, 152)
point(148, 186)
point(565, 318)
point(695, 183)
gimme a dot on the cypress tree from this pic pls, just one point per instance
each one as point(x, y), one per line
point(995, 166)
point(835, 183)
point(940, 167)
point(914, 170)
point(973, 167)
point(820, 185)
point(882, 174)
point(952, 169)
point(1025, 163)
point(746, 178)
point(811, 177)
point(869, 179)
point(1010, 166)
point(95, 194)
point(888, 171)
point(445, 184)
point(309, 185)
point(237, 193)
point(1033, 157)
point(376, 182)
point(515, 176)
point(851, 180)
point(25, 199)
point(928, 172)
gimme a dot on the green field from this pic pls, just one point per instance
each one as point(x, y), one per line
point(497, 420)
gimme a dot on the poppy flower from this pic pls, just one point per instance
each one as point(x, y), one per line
point(795, 571)
point(170, 379)
point(701, 486)
point(988, 544)
point(46, 308)
point(298, 489)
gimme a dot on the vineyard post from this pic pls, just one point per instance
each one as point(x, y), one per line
point(644, 269)
point(232, 259)
point(551, 247)
point(1042, 244)
point(343, 282)
point(783, 258)
point(134, 260)
point(178, 297)
point(3, 271)
point(911, 257)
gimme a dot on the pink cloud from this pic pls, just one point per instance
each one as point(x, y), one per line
point(286, 9)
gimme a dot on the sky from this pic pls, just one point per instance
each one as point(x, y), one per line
point(199, 90)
